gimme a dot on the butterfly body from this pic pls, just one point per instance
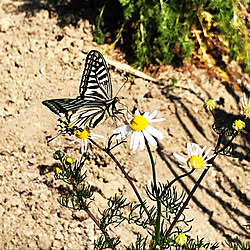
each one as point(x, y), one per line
point(94, 103)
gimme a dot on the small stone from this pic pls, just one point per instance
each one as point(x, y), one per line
point(44, 243)
point(139, 81)
point(59, 235)
point(43, 197)
point(42, 70)
point(78, 230)
point(5, 24)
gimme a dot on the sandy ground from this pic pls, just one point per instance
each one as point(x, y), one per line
point(42, 60)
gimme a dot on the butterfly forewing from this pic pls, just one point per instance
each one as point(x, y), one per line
point(95, 83)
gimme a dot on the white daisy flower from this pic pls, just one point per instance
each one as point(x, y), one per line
point(83, 135)
point(196, 157)
point(210, 105)
point(246, 106)
point(141, 130)
point(239, 125)
point(181, 239)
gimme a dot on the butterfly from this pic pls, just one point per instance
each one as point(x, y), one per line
point(95, 102)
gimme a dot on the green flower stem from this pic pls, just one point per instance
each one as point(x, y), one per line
point(186, 201)
point(86, 209)
point(95, 220)
point(125, 174)
point(227, 144)
point(176, 179)
point(158, 218)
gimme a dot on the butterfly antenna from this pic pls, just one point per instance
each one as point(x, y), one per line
point(122, 86)
point(54, 137)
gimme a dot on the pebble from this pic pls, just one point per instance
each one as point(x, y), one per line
point(5, 24)
point(59, 235)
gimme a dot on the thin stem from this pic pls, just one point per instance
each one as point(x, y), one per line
point(195, 187)
point(86, 209)
point(158, 218)
point(124, 173)
point(187, 200)
point(152, 163)
point(176, 179)
point(227, 144)
point(95, 220)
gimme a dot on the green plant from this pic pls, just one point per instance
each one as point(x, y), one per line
point(162, 31)
point(164, 222)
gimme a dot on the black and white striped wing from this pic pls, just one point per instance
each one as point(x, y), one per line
point(82, 113)
point(64, 105)
point(90, 115)
point(95, 102)
point(95, 83)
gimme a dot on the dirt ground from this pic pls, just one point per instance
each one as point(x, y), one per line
point(41, 59)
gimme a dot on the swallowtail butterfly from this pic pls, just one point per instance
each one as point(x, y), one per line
point(95, 102)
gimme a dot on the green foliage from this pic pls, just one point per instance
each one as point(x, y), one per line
point(140, 244)
point(164, 220)
point(106, 243)
point(237, 244)
point(161, 31)
point(199, 244)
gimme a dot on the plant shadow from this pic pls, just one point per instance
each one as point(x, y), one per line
point(244, 152)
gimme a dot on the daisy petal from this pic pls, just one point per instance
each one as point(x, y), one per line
point(146, 115)
point(189, 148)
point(137, 112)
point(205, 155)
point(132, 141)
point(209, 158)
point(158, 120)
point(154, 132)
point(136, 140)
point(122, 132)
point(153, 115)
point(181, 166)
point(202, 151)
point(73, 141)
point(207, 165)
point(197, 148)
point(179, 157)
point(142, 141)
point(149, 137)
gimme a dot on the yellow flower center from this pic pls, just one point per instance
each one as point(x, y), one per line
point(82, 134)
point(138, 123)
point(195, 162)
point(69, 160)
point(210, 105)
point(247, 110)
point(181, 239)
point(239, 125)
point(58, 170)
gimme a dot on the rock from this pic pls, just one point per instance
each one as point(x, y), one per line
point(44, 242)
point(5, 24)
point(139, 81)
point(59, 235)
